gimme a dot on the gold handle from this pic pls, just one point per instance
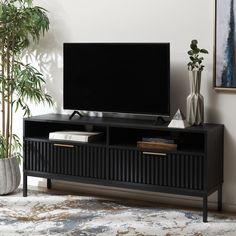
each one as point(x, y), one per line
point(63, 145)
point(155, 153)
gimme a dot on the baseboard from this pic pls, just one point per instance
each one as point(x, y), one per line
point(130, 194)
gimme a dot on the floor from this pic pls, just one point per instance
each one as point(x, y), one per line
point(58, 213)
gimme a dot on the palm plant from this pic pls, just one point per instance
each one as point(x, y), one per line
point(20, 24)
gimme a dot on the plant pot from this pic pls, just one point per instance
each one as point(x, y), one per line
point(195, 101)
point(9, 175)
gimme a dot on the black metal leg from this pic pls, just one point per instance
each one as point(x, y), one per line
point(24, 185)
point(49, 183)
point(205, 210)
point(220, 198)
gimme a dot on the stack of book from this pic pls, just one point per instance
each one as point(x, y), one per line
point(157, 144)
point(77, 136)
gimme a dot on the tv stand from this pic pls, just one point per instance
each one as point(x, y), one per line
point(75, 113)
point(194, 169)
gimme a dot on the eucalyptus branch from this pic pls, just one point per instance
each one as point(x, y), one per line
point(195, 58)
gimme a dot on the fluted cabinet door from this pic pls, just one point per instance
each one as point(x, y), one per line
point(82, 160)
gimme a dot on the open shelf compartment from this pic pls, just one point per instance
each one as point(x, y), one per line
point(41, 130)
point(186, 141)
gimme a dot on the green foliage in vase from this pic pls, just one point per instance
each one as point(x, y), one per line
point(195, 56)
point(21, 24)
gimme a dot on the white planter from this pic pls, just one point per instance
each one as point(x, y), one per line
point(9, 175)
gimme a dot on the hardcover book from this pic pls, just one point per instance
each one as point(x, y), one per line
point(77, 136)
point(158, 140)
point(160, 146)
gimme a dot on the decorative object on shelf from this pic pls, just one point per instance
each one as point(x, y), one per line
point(156, 146)
point(20, 24)
point(225, 63)
point(195, 101)
point(178, 121)
point(76, 136)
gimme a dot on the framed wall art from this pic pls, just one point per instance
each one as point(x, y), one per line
point(225, 45)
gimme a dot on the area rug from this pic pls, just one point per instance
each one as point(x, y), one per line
point(57, 214)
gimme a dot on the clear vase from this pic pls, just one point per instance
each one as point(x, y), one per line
point(195, 101)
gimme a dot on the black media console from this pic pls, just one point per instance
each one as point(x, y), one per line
point(194, 169)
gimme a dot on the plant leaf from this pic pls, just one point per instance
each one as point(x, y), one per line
point(204, 51)
point(190, 52)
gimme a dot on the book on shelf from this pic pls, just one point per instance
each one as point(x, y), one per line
point(158, 140)
point(160, 146)
point(77, 136)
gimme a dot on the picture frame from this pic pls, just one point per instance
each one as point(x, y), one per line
point(225, 45)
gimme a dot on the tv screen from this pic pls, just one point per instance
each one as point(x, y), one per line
point(117, 77)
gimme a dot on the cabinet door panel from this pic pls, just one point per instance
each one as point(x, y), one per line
point(162, 169)
point(173, 170)
point(82, 160)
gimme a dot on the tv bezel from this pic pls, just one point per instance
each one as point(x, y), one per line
point(119, 112)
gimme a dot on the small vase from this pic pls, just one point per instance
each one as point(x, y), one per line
point(9, 175)
point(195, 101)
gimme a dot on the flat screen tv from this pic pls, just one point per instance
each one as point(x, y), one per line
point(117, 77)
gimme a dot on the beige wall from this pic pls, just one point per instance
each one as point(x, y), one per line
point(174, 21)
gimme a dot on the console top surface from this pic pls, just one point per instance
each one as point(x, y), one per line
point(115, 122)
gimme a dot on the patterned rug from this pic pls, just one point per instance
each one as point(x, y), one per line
point(54, 214)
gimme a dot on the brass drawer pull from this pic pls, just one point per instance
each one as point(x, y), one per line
point(63, 145)
point(155, 153)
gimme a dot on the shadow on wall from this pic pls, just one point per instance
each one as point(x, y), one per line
point(229, 166)
point(47, 56)
point(215, 113)
point(179, 87)
point(212, 114)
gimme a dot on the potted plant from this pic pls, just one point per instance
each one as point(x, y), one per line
point(195, 101)
point(20, 24)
